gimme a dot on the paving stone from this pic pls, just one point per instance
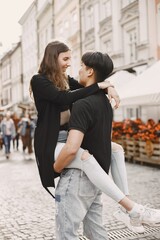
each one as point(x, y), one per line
point(27, 210)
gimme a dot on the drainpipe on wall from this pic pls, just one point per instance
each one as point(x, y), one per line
point(22, 80)
point(80, 28)
point(52, 5)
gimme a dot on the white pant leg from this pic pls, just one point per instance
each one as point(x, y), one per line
point(118, 168)
point(95, 173)
point(76, 163)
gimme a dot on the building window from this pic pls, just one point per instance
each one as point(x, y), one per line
point(158, 9)
point(133, 113)
point(46, 36)
point(132, 45)
point(126, 2)
point(158, 23)
point(74, 17)
point(105, 9)
point(90, 18)
point(108, 46)
point(66, 28)
point(66, 24)
point(61, 31)
point(74, 22)
point(60, 4)
point(6, 96)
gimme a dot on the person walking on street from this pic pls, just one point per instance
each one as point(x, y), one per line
point(26, 128)
point(16, 120)
point(8, 132)
point(1, 135)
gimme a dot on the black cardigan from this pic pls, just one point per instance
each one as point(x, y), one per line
point(48, 101)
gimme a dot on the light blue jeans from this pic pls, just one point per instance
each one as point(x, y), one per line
point(7, 143)
point(78, 200)
point(98, 176)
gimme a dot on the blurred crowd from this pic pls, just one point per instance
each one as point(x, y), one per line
point(13, 129)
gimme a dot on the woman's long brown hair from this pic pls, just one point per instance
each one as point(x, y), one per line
point(50, 67)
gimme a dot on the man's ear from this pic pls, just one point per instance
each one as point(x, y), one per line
point(90, 72)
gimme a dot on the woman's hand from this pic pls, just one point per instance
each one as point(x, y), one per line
point(110, 91)
point(112, 94)
point(104, 84)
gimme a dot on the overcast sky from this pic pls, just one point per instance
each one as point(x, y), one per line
point(10, 13)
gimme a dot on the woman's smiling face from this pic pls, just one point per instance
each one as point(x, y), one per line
point(64, 60)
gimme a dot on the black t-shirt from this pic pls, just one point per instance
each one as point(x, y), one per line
point(93, 116)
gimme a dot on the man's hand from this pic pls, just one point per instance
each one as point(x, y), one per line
point(69, 150)
point(112, 94)
point(55, 169)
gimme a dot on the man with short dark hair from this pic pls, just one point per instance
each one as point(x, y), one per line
point(77, 199)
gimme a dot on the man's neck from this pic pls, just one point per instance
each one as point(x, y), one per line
point(90, 82)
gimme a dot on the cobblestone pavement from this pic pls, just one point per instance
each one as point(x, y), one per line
point(27, 211)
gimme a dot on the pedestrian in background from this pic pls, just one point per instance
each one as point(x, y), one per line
point(16, 120)
point(1, 137)
point(8, 132)
point(26, 129)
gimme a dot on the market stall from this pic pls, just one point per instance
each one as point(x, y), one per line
point(120, 80)
point(145, 89)
point(140, 134)
point(143, 94)
point(141, 141)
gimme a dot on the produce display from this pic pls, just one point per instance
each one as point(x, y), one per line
point(137, 129)
point(141, 141)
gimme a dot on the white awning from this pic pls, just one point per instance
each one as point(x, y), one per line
point(120, 79)
point(144, 89)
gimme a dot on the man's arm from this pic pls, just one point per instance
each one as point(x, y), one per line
point(69, 150)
